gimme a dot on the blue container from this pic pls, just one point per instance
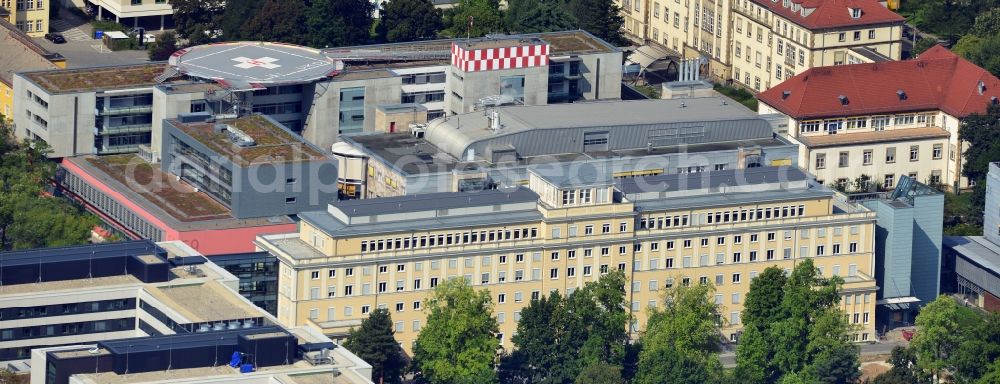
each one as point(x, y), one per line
point(98, 34)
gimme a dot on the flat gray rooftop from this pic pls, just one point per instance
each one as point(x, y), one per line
point(712, 179)
point(242, 63)
point(433, 201)
point(976, 249)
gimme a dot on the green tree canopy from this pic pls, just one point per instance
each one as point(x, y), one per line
point(409, 20)
point(278, 20)
point(559, 336)
point(903, 362)
point(235, 17)
point(28, 217)
point(979, 347)
point(484, 14)
point(793, 326)
point(533, 16)
point(336, 23)
point(374, 343)
point(940, 332)
point(166, 45)
point(980, 131)
point(601, 17)
point(682, 340)
point(197, 15)
point(459, 342)
point(600, 373)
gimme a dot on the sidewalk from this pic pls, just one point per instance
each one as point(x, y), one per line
point(728, 356)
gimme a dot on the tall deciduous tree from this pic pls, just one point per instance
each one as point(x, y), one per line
point(557, 337)
point(600, 373)
point(336, 23)
point(374, 343)
point(941, 324)
point(459, 343)
point(980, 131)
point(29, 218)
point(533, 16)
point(979, 347)
point(166, 45)
point(473, 18)
point(278, 20)
point(682, 340)
point(600, 17)
point(235, 17)
point(903, 371)
point(193, 15)
point(409, 20)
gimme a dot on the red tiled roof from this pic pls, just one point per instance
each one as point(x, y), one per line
point(937, 80)
point(832, 13)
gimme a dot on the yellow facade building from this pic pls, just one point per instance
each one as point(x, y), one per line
point(30, 16)
point(560, 232)
point(757, 43)
point(20, 54)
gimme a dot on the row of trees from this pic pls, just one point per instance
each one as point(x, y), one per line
point(334, 23)
point(952, 343)
point(28, 217)
point(794, 333)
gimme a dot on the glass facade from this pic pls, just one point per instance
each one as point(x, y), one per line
point(352, 109)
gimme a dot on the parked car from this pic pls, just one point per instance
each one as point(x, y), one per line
point(55, 38)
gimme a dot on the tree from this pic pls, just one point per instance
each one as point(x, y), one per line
point(166, 45)
point(336, 23)
point(600, 373)
point(980, 131)
point(459, 342)
point(373, 342)
point(483, 15)
point(557, 336)
point(903, 362)
point(409, 20)
point(967, 46)
point(979, 346)
point(533, 16)
point(28, 217)
point(192, 15)
point(988, 54)
point(992, 375)
point(681, 340)
point(795, 329)
point(600, 17)
point(987, 23)
point(278, 20)
point(235, 17)
point(940, 325)
point(544, 352)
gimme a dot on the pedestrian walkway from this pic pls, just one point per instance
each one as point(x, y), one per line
point(68, 31)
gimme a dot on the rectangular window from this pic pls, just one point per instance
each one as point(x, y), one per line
point(914, 152)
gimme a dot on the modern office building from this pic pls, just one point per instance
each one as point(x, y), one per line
point(569, 226)
point(971, 264)
point(757, 43)
point(94, 313)
point(31, 17)
point(908, 248)
point(884, 120)
point(320, 94)
point(258, 274)
point(252, 165)
point(476, 151)
point(219, 184)
point(24, 55)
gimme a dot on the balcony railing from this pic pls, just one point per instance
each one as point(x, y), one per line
point(126, 110)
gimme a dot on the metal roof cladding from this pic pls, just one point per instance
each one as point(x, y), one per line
point(242, 63)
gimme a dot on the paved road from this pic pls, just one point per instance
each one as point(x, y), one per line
point(884, 348)
point(81, 50)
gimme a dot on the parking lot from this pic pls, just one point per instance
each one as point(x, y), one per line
point(82, 50)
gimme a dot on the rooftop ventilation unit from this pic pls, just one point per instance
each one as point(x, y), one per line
point(238, 137)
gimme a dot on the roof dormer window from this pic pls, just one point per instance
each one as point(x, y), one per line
point(855, 13)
